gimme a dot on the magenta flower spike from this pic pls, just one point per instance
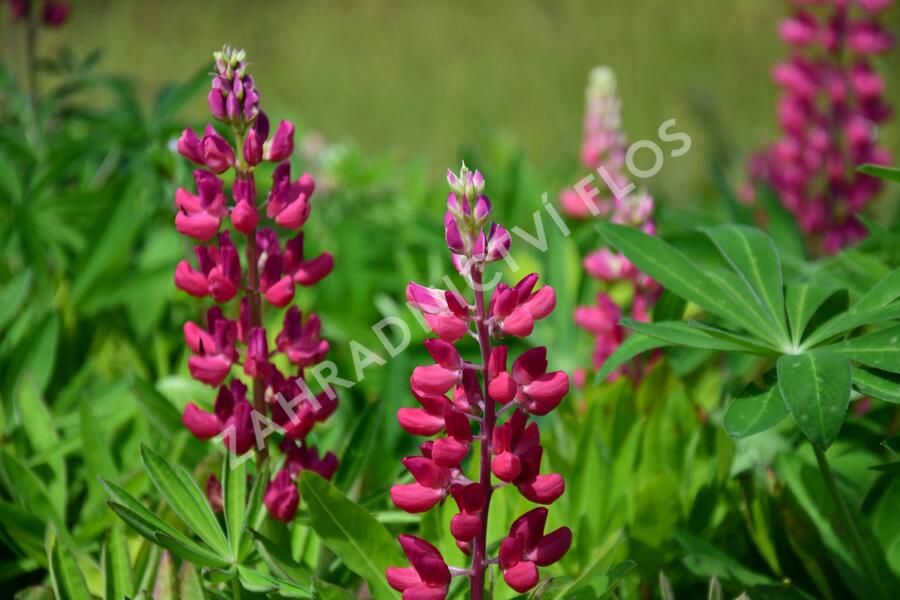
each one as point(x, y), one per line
point(604, 147)
point(453, 393)
point(230, 350)
point(831, 106)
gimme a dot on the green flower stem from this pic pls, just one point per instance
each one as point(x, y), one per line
point(848, 524)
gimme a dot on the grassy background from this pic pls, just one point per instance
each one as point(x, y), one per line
point(421, 78)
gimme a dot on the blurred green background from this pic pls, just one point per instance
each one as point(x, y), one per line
point(421, 78)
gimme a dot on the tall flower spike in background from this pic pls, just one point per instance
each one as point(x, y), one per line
point(268, 277)
point(605, 147)
point(831, 104)
point(509, 453)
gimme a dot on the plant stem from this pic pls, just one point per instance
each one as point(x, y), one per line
point(479, 554)
point(848, 524)
point(244, 172)
point(235, 589)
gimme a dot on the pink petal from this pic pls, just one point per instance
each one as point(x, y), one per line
point(310, 272)
point(519, 323)
point(202, 424)
point(506, 466)
point(199, 225)
point(417, 421)
point(552, 547)
point(542, 303)
point(401, 578)
point(448, 452)
point(545, 489)
point(294, 214)
point(190, 281)
point(521, 577)
point(433, 379)
point(211, 370)
point(414, 498)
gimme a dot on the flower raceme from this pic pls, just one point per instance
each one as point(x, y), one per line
point(454, 393)
point(832, 103)
point(239, 347)
point(604, 145)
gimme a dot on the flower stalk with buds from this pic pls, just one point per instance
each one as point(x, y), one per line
point(454, 394)
point(268, 277)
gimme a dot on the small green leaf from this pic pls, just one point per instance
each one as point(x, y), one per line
point(754, 411)
point(13, 296)
point(255, 581)
point(882, 172)
point(877, 384)
point(186, 499)
point(117, 573)
point(884, 292)
point(816, 390)
point(327, 591)
point(279, 559)
point(753, 256)
point(189, 551)
point(802, 301)
point(880, 349)
point(679, 333)
point(892, 444)
point(65, 576)
point(853, 319)
point(234, 488)
point(42, 436)
point(361, 542)
point(634, 344)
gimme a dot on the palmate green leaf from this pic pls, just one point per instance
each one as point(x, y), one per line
point(13, 296)
point(672, 269)
point(802, 301)
point(328, 591)
point(753, 256)
point(877, 384)
point(754, 410)
point(882, 172)
point(884, 292)
point(186, 499)
point(66, 578)
point(679, 333)
point(234, 488)
point(749, 343)
point(880, 349)
point(117, 574)
point(360, 445)
point(30, 492)
point(816, 390)
point(361, 542)
point(634, 344)
point(256, 512)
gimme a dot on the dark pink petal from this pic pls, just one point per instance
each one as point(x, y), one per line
point(530, 365)
point(552, 547)
point(184, 200)
point(542, 303)
point(510, 551)
point(426, 560)
point(433, 379)
point(295, 214)
point(519, 323)
point(546, 392)
point(506, 466)
point(401, 578)
point(502, 388)
point(189, 146)
point(521, 577)
point(198, 340)
point(545, 489)
point(281, 293)
point(190, 281)
point(530, 527)
point(245, 217)
point(425, 592)
point(465, 526)
point(415, 498)
point(202, 424)
point(211, 370)
point(310, 272)
point(281, 145)
point(449, 452)
point(282, 497)
point(213, 492)
point(448, 327)
point(417, 421)
point(427, 472)
point(200, 225)
point(444, 354)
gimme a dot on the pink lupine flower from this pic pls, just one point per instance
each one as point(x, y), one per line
point(199, 216)
point(270, 274)
point(516, 309)
point(527, 547)
point(282, 497)
point(510, 451)
point(446, 312)
point(427, 579)
point(230, 418)
point(440, 377)
point(831, 105)
point(55, 14)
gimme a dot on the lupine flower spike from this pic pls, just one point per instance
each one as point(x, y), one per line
point(225, 347)
point(831, 105)
point(453, 393)
point(604, 146)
